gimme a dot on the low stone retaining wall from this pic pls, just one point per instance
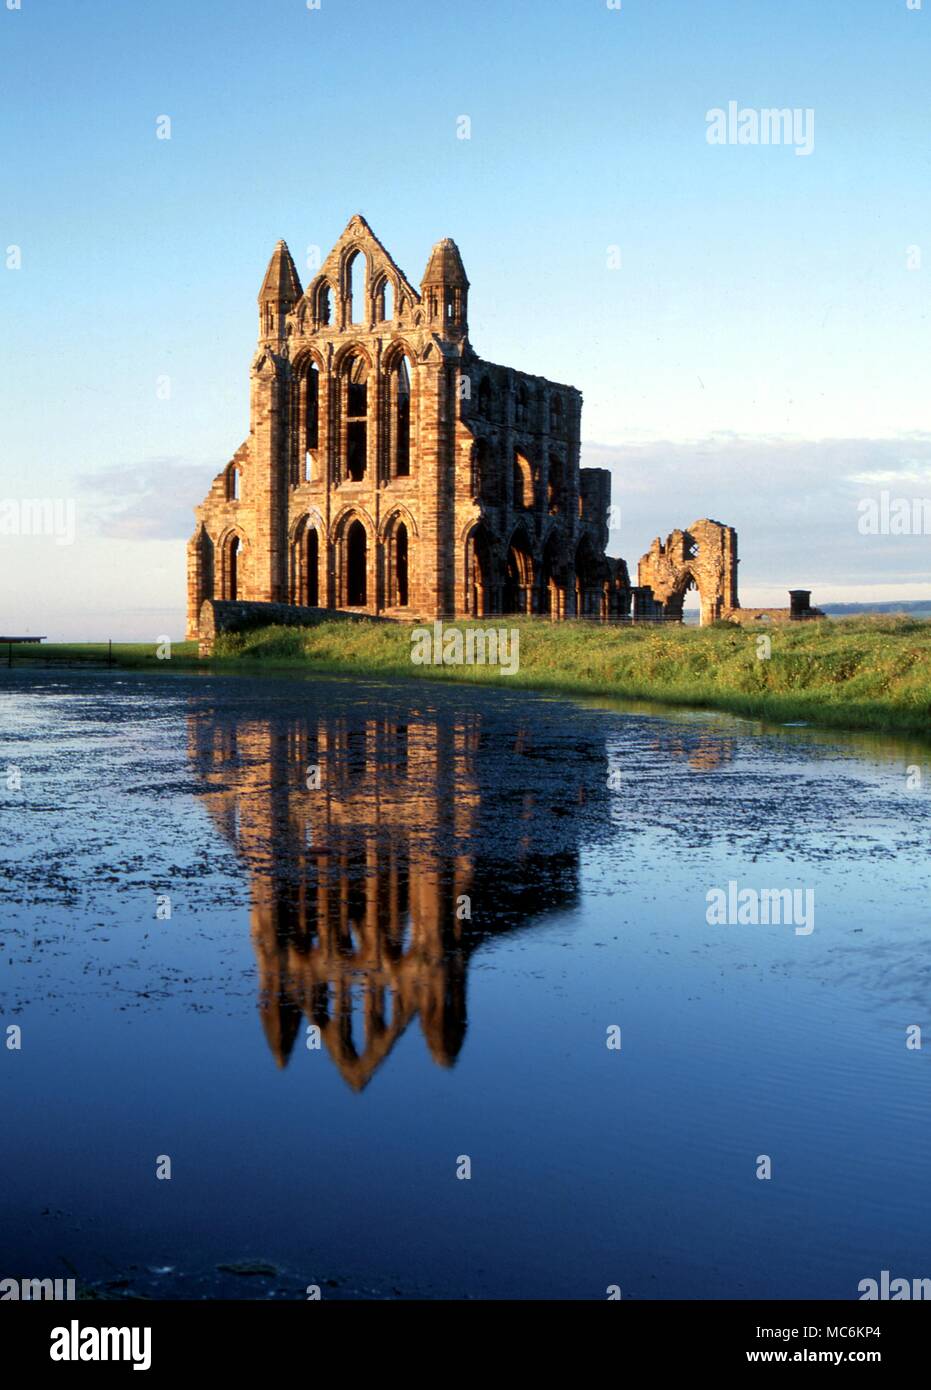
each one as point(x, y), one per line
point(239, 615)
point(747, 617)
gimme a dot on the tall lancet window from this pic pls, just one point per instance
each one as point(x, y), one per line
point(402, 405)
point(312, 407)
point(355, 404)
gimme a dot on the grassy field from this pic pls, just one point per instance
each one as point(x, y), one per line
point(866, 673)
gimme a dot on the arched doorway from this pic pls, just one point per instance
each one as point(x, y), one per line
point(304, 562)
point(589, 585)
point(232, 569)
point(356, 565)
point(703, 557)
point(479, 596)
point(686, 604)
point(518, 576)
point(393, 563)
point(553, 579)
point(691, 604)
point(400, 566)
point(312, 569)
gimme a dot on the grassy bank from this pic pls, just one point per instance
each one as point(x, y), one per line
point(856, 673)
point(128, 655)
point(867, 673)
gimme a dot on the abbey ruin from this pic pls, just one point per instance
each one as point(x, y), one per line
point(391, 471)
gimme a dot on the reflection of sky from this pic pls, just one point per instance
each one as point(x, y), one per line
point(761, 298)
point(590, 1167)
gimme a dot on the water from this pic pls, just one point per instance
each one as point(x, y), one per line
point(481, 886)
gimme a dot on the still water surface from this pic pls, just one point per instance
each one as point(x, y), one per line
point(322, 844)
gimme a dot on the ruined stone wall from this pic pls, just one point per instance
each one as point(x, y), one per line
point(748, 617)
point(704, 558)
point(239, 615)
point(389, 469)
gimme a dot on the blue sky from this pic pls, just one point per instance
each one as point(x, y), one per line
point(760, 355)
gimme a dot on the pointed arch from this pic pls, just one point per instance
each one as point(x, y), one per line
point(386, 298)
point(308, 370)
point(354, 372)
point(483, 470)
point(397, 566)
point(233, 556)
point(398, 397)
point(689, 578)
point(479, 597)
point(355, 286)
point(399, 512)
point(522, 481)
point(590, 588)
point(321, 295)
point(522, 407)
point(348, 512)
point(556, 492)
point(356, 565)
point(518, 572)
point(398, 558)
point(201, 568)
point(554, 577)
point(306, 551)
point(354, 350)
point(353, 554)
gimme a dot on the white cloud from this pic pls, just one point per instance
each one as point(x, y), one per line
point(147, 501)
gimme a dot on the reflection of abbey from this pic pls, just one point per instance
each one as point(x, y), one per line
point(359, 881)
point(390, 470)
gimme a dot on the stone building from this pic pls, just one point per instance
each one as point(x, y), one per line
point(704, 558)
point(391, 470)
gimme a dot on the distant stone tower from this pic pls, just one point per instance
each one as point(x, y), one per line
point(390, 470)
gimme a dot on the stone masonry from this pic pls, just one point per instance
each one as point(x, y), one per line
point(391, 470)
point(704, 558)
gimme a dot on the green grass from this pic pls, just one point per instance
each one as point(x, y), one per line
point(125, 654)
point(856, 673)
point(867, 673)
